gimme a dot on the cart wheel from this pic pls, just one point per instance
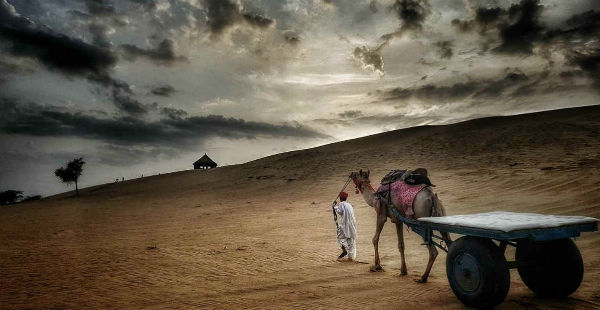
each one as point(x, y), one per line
point(477, 272)
point(558, 268)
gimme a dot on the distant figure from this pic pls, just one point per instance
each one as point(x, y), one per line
point(122, 178)
point(116, 180)
point(346, 233)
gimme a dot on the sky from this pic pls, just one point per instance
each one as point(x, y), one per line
point(140, 87)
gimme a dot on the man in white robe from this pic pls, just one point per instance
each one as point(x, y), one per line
point(346, 233)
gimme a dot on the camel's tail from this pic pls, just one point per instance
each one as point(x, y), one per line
point(438, 210)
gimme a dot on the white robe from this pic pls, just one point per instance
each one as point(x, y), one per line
point(346, 220)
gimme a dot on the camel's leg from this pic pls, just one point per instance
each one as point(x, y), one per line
point(432, 255)
point(381, 219)
point(400, 234)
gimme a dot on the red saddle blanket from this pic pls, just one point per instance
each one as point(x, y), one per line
point(402, 196)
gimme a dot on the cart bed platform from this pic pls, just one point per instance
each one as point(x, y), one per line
point(501, 225)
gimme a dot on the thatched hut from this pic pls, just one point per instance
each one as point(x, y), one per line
point(205, 163)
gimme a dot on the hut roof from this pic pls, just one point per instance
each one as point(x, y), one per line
point(205, 161)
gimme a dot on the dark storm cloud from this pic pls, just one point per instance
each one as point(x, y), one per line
point(163, 90)
point(173, 113)
point(257, 20)
point(67, 55)
point(518, 27)
point(586, 24)
point(579, 43)
point(430, 91)
point(223, 14)
point(444, 49)
point(475, 89)
point(522, 29)
point(163, 54)
point(126, 103)
point(485, 18)
point(56, 51)
point(412, 13)
point(122, 95)
point(236, 128)
point(579, 27)
point(588, 60)
point(36, 120)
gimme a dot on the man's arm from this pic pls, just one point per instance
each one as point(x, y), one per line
point(339, 209)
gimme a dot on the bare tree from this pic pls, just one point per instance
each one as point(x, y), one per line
point(71, 173)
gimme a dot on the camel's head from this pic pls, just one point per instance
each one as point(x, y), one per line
point(361, 179)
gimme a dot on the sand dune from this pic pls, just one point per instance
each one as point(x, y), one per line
point(261, 235)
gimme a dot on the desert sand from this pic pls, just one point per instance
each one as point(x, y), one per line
point(261, 234)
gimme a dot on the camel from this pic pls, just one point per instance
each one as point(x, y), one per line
point(426, 204)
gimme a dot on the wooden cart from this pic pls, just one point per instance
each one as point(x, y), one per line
point(547, 259)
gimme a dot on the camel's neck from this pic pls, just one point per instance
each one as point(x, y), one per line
point(368, 194)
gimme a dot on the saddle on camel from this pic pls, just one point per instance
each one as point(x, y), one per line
point(401, 186)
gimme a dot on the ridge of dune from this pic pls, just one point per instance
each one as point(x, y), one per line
point(260, 234)
point(511, 136)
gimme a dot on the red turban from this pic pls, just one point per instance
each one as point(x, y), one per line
point(343, 195)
